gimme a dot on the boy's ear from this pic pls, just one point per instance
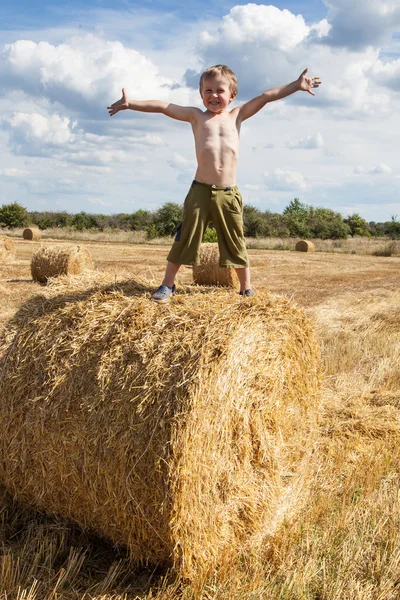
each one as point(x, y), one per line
point(233, 96)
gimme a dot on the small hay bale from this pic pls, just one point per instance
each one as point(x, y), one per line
point(7, 248)
point(32, 233)
point(53, 261)
point(305, 246)
point(209, 272)
point(178, 433)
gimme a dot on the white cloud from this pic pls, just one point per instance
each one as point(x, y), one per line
point(251, 186)
point(181, 163)
point(381, 169)
point(30, 132)
point(13, 172)
point(279, 29)
point(268, 47)
point(52, 136)
point(149, 140)
point(360, 24)
point(284, 180)
point(256, 41)
point(85, 72)
point(387, 74)
point(310, 142)
point(320, 29)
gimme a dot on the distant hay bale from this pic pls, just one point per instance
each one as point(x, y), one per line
point(178, 433)
point(305, 246)
point(7, 248)
point(209, 272)
point(32, 234)
point(53, 261)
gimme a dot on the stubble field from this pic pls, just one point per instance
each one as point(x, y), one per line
point(345, 541)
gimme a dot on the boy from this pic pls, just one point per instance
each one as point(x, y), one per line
point(213, 195)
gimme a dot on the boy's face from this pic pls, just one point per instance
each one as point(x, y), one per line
point(216, 93)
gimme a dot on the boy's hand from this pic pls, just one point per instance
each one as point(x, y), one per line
point(308, 83)
point(122, 104)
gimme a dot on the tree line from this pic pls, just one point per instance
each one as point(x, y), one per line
point(297, 220)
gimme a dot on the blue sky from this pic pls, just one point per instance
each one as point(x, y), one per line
point(61, 64)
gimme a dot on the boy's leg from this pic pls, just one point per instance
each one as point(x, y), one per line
point(170, 273)
point(227, 217)
point(244, 278)
point(186, 247)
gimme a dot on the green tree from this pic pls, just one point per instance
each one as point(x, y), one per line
point(253, 221)
point(141, 220)
point(357, 225)
point(393, 228)
point(83, 221)
point(327, 224)
point(275, 225)
point(296, 218)
point(167, 218)
point(13, 215)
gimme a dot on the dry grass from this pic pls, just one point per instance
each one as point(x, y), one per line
point(356, 245)
point(208, 272)
point(345, 542)
point(127, 404)
point(55, 260)
point(114, 236)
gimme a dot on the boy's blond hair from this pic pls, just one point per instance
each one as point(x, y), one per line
point(225, 72)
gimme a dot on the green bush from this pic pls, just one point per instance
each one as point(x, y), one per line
point(13, 215)
point(357, 225)
point(210, 235)
point(167, 219)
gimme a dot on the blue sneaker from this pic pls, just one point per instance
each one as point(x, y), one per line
point(249, 292)
point(162, 294)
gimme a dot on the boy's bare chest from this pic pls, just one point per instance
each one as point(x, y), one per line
point(214, 130)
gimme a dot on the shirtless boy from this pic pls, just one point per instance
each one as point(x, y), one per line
point(213, 195)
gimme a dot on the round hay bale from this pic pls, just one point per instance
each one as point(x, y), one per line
point(53, 261)
point(209, 272)
point(7, 248)
point(32, 234)
point(305, 246)
point(175, 432)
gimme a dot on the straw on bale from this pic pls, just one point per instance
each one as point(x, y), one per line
point(209, 272)
point(174, 430)
point(53, 261)
point(32, 234)
point(305, 246)
point(7, 248)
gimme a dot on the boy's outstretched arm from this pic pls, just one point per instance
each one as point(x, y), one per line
point(303, 83)
point(181, 113)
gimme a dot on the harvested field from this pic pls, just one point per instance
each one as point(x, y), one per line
point(343, 542)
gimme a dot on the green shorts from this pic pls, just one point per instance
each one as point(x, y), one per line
point(222, 206)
